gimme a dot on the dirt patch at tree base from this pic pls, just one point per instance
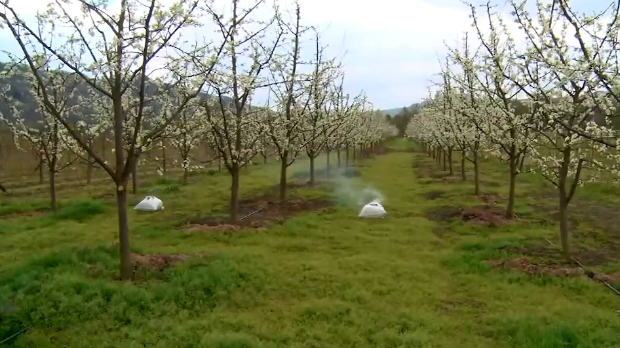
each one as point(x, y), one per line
point(24, 214)
point(156, 262)
point(431, 195)
point(485, 215)
point(529, 267)
point(491, 198)
point(258, 214)
point(550, 255)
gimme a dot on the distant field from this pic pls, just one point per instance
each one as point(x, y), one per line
point(443, 269)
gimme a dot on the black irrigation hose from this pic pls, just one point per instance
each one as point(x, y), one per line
point(18, 333)
point(582, 266)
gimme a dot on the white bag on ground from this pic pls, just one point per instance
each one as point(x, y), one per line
point(150, 203)
point(372, 210)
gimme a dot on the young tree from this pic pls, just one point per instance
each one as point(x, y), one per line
point(340, 111)
point(283, 126)
point(566, 91)
point(234, 125)
point(112, 50)
point(44, 133)
point(469, 103)
point(324, 73)
point(507, 130)
point(185, 133)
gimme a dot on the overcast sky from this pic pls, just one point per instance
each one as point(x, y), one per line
point(392, 46)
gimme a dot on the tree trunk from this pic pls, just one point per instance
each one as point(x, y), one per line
point(164, 163)
point(563, 203)
point(311, 171)
point(134, 178)
point(234, 192)
point(445, 160)
point(41, 164)
point(476, 174)
point(283, 170)
point(328, 163)
point(1, 160)
point(338, 155)
point(54, 204)
point(219, 164)
point(346, 163)
point(463, 176)
point(354, 152)
point(264, 158)
point(89, 169)
point(185, 175)
point(126, 266)
point(564, 228)
point(511, 190)
point(103, 148)
point(450, 161)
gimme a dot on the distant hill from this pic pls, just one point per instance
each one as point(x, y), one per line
point(20, 91)
point(392, 112)
point(395, 111)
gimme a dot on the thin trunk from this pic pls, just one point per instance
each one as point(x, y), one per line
point(450, 161)
point(328, 163)
point(134, 178)
point(563, 203)
point(185, 175)
point(354, 152)
point(1, 160)
point(513, 180)
point(219, 165)
point(445, 160)
point(89, 168)
point(126, 266)
point(463, 176)
point(347, 157)
point(564, 228)
point(311, 171)
point(54, 204)
point(41, 164)
point(265, 158)
point(283, 170)
point(476, 173)
point(234, 192)
point(338, 155)
point(103, 148)
point(164, 163)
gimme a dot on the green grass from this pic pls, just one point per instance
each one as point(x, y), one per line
point(324, 279)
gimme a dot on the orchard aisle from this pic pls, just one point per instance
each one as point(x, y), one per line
point(323, 279)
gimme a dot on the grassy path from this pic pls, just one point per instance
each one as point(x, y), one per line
point(319, 280)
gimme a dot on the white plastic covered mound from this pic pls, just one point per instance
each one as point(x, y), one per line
point(372, 210)
point(150, 203)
